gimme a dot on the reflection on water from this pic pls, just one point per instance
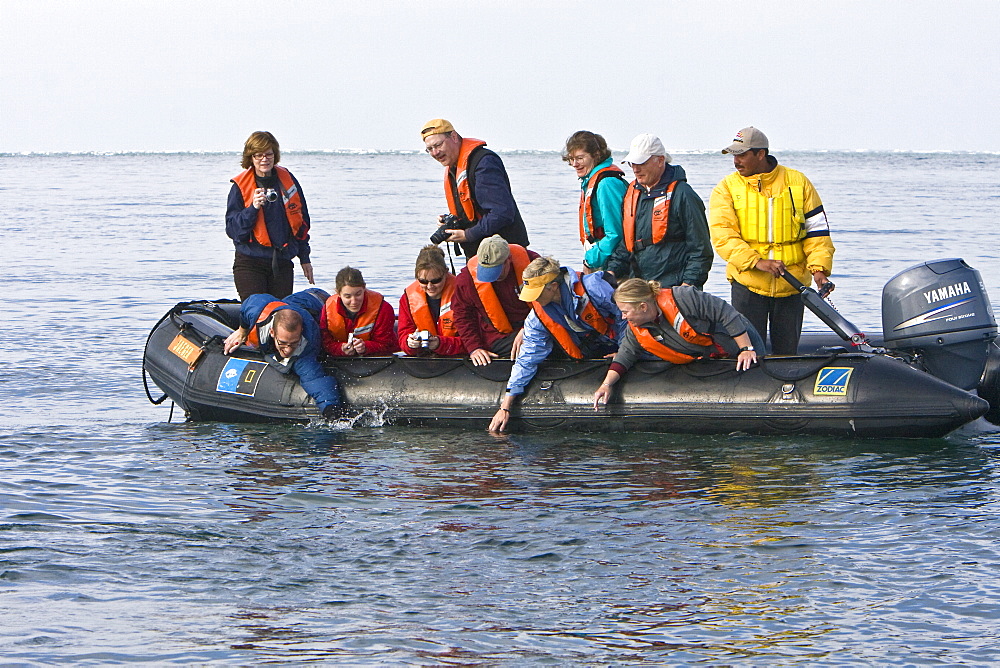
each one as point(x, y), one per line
point(125, 539)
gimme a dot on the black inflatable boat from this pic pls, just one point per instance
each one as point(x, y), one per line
point(936, 368)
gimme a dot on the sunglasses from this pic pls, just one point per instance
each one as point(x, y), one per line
point(432, 281)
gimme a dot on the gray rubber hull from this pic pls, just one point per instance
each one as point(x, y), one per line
point(855, 395)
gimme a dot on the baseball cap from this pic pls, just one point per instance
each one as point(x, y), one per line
point(533, 286)
point(492, 254)
point(746, 139)
point(436, 126)
point(644, 147)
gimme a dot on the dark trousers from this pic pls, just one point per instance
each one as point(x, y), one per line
point(254, 276)
point(783, 314)
point(504, 346)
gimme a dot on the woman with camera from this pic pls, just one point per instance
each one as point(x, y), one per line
point(267, 219)
point(426, 321)
point(602, 190)
point(356, 320)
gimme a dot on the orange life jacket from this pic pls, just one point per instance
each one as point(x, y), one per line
point(661, 216)
point(488, 296)
point(586, 207)
point(668, 307)
point(363, 325)
point(465, 207)
point(421, 312)
point(253, 337)
point(590, 315)
point(247, 183)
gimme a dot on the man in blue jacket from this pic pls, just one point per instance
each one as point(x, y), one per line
point(287, 333)
point(570, 312)
point(476, 186)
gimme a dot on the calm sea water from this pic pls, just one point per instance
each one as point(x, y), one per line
point(125, 537)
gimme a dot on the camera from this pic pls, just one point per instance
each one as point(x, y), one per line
point(271, 195)
point(451, 222)
point(424, 337)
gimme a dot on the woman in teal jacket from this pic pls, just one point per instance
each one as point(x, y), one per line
point(602, 189)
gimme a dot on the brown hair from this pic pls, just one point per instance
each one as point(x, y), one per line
point(259, 142)
point(636, 290)
point(430, 258)
point(288, 320)
point(351, 277)
point(585, 140)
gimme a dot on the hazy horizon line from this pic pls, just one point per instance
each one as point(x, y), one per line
point(521, 151)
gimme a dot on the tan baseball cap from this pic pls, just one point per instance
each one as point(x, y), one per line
point(746, 139)
point(493, 252)
point(436, 126)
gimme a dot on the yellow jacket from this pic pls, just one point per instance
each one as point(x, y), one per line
point(741, 255)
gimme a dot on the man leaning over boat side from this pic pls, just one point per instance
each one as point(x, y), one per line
point(287, 333)
point(766, 219)
point(573, 315)
point(664, 231)
point(476, 187)
point(488, 314)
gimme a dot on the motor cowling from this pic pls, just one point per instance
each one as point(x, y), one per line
point(940, 310)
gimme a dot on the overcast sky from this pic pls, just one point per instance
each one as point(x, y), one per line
point(189, 76)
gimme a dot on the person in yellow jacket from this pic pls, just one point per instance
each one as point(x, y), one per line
point(766, 219)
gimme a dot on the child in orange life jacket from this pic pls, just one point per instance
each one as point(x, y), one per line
point(426, 319)
point(678, 325)
point(357, 321)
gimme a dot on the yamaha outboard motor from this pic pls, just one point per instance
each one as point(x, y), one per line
point(940, 310)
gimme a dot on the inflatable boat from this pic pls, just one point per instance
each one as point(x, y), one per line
point(936, 368)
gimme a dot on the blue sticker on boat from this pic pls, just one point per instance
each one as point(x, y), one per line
point(240, 377)
point(833, 380)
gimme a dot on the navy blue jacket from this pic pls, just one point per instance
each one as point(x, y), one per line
point(240, 220)
point(494, 201)
point(312, 376)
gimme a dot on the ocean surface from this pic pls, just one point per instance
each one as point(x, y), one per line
point(129, 536)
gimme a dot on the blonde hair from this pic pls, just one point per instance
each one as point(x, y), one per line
point(259, 142)
point(541, 266)
point(636, 290)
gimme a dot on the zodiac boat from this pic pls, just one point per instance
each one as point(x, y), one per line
point(936, 368)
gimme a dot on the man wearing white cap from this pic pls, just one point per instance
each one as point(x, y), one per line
point(476, 186)
point(767, 219)
point(665, 234)
point(488, 313)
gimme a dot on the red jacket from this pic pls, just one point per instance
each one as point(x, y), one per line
point(451, 346)
point(383, 338)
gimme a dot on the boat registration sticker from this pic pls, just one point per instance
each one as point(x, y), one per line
point(833, 380)
point(240, 377)
point(186, 350)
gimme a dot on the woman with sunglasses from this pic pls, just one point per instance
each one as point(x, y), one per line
point(267, 219)
point(426, 321)
point(602, 190)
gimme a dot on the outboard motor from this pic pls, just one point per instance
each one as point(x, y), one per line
point(940, 310)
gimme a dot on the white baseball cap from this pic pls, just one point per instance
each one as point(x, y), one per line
point(644, 147)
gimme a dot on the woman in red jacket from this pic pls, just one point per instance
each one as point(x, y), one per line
point(357, 321)
point(426, 321)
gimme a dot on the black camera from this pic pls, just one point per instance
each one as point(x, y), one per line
point(271, 195)
point(451, 222)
